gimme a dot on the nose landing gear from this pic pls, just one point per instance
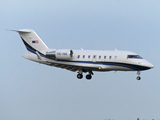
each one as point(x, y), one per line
point(138, 77)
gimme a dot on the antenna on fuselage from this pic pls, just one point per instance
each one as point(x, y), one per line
point(82, 49)
point(116, 49)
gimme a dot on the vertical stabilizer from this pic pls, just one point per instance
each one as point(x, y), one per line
point(31, 40)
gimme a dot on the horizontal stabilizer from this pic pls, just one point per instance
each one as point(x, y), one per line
point(22, 31)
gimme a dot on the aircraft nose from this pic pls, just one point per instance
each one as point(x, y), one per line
point(149, 65)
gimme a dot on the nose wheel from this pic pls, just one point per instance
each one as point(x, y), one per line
point(138, 73)
point(138, 78)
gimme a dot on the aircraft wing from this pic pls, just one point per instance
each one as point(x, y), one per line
point(73, 67)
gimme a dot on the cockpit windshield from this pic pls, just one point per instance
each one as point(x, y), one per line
point(134, 57)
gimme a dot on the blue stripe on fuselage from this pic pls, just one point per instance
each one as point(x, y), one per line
point(31, 49)
point(130, 66)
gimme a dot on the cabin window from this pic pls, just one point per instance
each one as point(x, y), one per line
point(78, 56)
point(115, 57)
point(83, 56)
point(104, 57)
point(99, 57)
point(89, 56)
point(94, 56)
point(110, 57)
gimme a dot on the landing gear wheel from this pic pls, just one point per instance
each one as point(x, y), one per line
point(138, 78)
point(88, 77)
point(79, 76)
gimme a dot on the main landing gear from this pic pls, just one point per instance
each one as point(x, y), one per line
point(138, 73)
point(88, 76)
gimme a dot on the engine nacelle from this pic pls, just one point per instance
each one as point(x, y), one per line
point(60, 54)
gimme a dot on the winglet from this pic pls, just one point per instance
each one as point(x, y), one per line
point(82, 49)
point(116, 49)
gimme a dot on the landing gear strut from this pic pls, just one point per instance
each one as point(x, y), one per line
point(138, 77)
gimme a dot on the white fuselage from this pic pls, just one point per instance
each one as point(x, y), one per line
point(97, 60)
point(81, 60)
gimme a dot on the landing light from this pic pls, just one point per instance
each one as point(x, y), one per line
point(99, 68)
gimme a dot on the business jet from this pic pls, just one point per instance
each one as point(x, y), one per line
point(82, 61)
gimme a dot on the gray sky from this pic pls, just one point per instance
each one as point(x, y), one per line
point(30, 91)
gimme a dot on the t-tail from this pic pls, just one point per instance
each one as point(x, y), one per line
point(32, 41)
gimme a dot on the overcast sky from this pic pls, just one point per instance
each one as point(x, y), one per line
point(30, 91)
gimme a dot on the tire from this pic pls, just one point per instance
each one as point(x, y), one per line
point(88, 77)
point(138, 78)
point(79, 76)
